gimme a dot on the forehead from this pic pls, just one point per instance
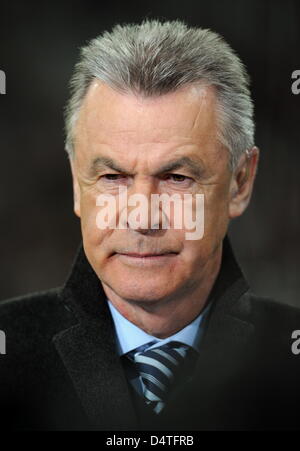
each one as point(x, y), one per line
point(146, 133)
point(106, 114)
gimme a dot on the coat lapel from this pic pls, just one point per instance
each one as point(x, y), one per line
point(215, 397)
point(88, 351)
point(226, 352)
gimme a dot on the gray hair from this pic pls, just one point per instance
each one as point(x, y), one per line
point(154, 58)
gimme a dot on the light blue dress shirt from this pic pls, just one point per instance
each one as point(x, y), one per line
point(131, 337)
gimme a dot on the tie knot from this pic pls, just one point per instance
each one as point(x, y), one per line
point(159, 367)
point(173, 351)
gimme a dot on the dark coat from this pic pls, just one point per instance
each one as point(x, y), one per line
point(62, 372)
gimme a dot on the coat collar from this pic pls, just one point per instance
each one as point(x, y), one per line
point(88, 349)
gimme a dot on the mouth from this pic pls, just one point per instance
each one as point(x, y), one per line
point(147, 255)
point(145, 259)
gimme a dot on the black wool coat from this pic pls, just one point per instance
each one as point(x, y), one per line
point(61, 370)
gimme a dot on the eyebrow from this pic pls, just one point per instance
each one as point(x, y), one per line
point(104, 162)
point(195, 167)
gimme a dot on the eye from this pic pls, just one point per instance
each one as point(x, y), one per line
point(112, 177)
point(178, 178)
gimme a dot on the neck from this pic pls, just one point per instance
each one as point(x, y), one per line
point(164, 318)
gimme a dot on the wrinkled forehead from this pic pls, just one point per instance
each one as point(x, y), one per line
point(108, 115)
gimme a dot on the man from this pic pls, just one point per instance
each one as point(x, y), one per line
point(153, 330)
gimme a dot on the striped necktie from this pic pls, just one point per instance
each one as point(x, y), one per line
point(159, 368)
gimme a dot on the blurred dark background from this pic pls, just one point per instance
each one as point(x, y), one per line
point(39, 45)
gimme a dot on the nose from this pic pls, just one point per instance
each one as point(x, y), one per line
point(142, 216)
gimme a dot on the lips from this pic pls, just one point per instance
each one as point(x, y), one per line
point(146, 255)
point(146, 260)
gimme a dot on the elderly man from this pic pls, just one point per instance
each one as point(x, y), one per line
point(154, 330)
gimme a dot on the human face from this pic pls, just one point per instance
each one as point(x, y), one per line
point(139, 137)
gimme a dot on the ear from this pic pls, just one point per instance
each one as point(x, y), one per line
point(242, 181)
point(76, 188)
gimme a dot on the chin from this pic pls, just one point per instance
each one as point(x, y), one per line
point(140, 284)
point(139, 291)
point(144, 294)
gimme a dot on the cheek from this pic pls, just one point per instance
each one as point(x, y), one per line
point(91, 233)
point(215, 217)
point(217, 201)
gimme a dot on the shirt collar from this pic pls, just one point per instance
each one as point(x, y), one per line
point(130, 337)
